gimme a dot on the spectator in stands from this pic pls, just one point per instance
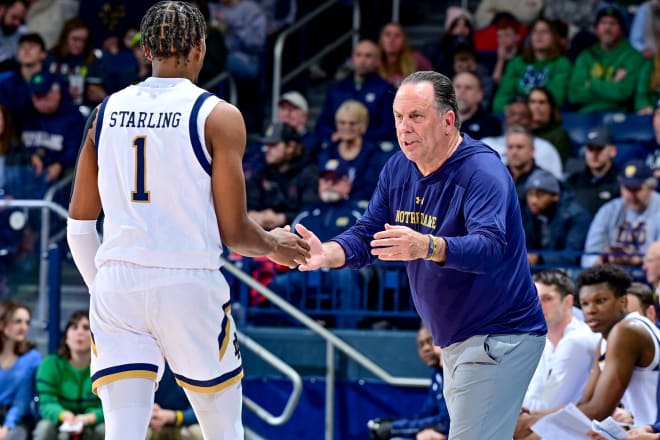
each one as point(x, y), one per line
point(598, 182)
point(52, 135)
point(336, 211)
point(524, 11)
point(366, 86)
point(118, 62)
point(286, 182)
point(73, 56)
point(466, 60)
point(475, 121)
point(546, 156)
point(9, 143)
point(64, 387)
point(578, 17)
point(108, 18)
point(624, 227)
point(14, 89)
point(605, 75)
point(569, 350)
point(546, 121)
point(645, 28)
point(47, 17)
point(520, 158)
point(397, 58)
point(362, 157)
point(458, 31)
point(651, 265)
point(541, 63)
point(144, 65)
point(293, 109)
point(627, 351)
point(432, 422)
point(172, 416)
point(553, 222)
point(647, 91)
point(499, 43)
point(12, 17)
point(19, 360)
point(244, 25)
point(215, 59)
point(640, 299)
point(653, 147)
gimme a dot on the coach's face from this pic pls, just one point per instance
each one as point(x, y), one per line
point(421, 129)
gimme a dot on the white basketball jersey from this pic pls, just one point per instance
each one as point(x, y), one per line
point(155, 176)
point(640, 397)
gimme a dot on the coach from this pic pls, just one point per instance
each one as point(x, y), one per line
point(448, 207)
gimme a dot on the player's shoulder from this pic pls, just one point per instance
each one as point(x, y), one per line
point(629, 333)
point(225, 115)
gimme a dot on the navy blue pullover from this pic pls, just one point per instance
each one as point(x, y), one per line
point(485, 286)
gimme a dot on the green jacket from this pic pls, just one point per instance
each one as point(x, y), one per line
point(592, 86)
point(645, 96)
point(557, 136)
point(520, 77)
point(62, 387)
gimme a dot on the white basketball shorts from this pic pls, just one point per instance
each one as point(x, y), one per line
point(141, 316)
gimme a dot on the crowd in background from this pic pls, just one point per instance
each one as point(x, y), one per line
point(566, 92)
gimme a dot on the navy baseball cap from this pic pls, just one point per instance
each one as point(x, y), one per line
point(599, 137)
point(635, 173)
point(42, 82)
point(544, 181)
point(334, 168)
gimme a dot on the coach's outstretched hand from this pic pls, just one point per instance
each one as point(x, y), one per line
point(291, 250)
point(316, 258)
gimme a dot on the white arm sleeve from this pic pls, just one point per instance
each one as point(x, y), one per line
point(84, 242)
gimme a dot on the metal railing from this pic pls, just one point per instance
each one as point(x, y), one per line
point(332, 342)
point(283, 367)
point(278, 78)
point(46, 205)
point(219, 78)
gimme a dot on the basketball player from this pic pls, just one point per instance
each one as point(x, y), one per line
point(162, 159)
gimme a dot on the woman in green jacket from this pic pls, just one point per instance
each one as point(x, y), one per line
point(541, 63)
point(68, 407)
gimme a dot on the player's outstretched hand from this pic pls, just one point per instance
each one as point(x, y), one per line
point(291, 250)
point(316, 258)
point(399, 243)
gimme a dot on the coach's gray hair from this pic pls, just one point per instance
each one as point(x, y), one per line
point(443, 91)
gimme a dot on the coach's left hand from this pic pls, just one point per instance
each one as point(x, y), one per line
point(399, 243)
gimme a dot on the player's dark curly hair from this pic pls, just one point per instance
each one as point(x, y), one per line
point(618, 279)
point(172, 29)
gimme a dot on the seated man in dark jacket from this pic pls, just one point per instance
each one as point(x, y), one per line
point(553, 222)
point(286, 182)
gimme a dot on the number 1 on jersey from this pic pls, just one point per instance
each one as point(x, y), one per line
point(140, 194)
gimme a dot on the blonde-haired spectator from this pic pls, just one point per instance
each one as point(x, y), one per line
point(361, 157)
